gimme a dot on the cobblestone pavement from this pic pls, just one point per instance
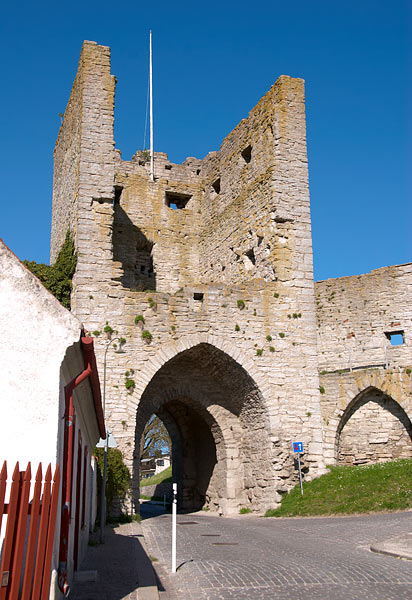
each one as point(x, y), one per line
point(122, 568)
point(249, 557)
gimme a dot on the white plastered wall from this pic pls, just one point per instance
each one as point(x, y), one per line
point(36, 331)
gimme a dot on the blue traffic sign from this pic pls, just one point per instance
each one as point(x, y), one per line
point(297, 446)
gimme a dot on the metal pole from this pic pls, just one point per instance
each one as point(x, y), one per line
point(300, 475)
point(174, 511)
point(151, 111)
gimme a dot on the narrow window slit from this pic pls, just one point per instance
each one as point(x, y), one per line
point(216, 186)
point(117, 194)
point(247, 154)
point(251, 256)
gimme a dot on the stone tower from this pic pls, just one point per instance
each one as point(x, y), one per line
point(214, 258)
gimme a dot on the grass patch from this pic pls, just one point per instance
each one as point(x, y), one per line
point(163, 477)
point(244, 510)
point(349, 490)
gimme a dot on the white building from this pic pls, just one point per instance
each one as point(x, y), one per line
point(50, 402)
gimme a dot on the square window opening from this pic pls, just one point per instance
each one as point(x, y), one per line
point(177, 201)
point(198, 296)
point(396, 338)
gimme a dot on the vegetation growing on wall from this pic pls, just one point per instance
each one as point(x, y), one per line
point(57, 278)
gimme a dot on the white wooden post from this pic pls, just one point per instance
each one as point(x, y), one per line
point(174, 512)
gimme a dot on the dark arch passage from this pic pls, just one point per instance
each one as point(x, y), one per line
point(217, 421)
point(374, 428)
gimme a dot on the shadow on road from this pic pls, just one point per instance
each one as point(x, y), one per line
point(150, 509)
point(121, 563)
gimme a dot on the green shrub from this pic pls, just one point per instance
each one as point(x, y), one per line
point(321, 389)
point(130, 384)
point(269, 338)
point(237, 328)
point(281, 334)
point(259, 351)
point(244, 510)
point(139, 319)
point(240, 304)
point(146, 335)
point(117, 476)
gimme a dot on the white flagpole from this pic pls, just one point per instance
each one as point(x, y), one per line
point(151, 114)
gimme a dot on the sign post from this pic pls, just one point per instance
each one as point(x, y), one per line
point(174, 511)
point(298, 449)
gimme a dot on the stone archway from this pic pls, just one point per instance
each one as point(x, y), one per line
point(216, 417)
point(373, 428)
point(341, 390)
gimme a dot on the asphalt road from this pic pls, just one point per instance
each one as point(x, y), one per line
point(248, 557)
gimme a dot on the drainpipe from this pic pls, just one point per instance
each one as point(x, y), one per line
point(69, 433)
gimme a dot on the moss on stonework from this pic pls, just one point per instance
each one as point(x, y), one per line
point(57, 278)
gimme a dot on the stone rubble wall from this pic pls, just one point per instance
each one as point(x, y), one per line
point(358, 411)
point(354, 313)
point(377, 430)
point(230, 270)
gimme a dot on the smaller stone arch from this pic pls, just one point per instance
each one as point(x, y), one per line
point(373, 428)
point(220, 475)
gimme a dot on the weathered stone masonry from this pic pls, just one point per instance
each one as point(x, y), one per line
point(367, 400)
point(216, 256)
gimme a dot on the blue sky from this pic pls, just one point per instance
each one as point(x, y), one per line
point(212, 63)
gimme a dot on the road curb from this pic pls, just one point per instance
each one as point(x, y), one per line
point(399, 547)
point(147, 589)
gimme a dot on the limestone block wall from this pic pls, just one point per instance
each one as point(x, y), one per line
point(357, 314)
point(367, 415)
point(177, 323)
point(377, 430)
point(216, 256)
point(83, 187)
point(150, 235)
point(223, 249)
point(255, 200)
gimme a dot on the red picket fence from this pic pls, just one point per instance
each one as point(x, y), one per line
point(26, 553)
